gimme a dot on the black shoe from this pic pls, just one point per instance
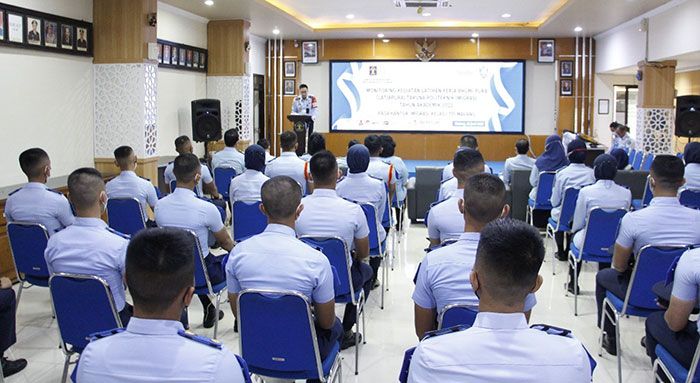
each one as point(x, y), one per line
point(610, 345)
point(562, 256)
point(570, 288)
point(11, 367)
point(376, 284)
point(349, 340)
point(210, 318)
point(643, 342)
point(235, 326)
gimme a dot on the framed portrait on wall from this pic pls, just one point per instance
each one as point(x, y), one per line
point(160, 52)
point(189, 58)
point(290, 87)
point(604, 106)
point(195, 59)
point(50, 34)
point(203, 60)
point(290, 69)
point(82, 42)
point(545, 50)
point(182, 55)
point(66, 36)
point(309, 52)
point(567, 68)
point(33, 31)
point(173, 56)
point(566, 88)
point(166, 54)
point(15, 28)
point(2, 25)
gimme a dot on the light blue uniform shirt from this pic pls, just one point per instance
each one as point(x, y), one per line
point(277, 260)
point(184, 210)
point(500, 348)
point(327, 215)
point(288, 164)
point(692, 176)
point(686, 283)
point(247, 186)
point(401, 176)
point(229, 158)
point(169, 176)
point(519, 162)
point(381, 170)
point(445, 221)
point(448, 188)
point(153, 350)
point(574, 175)
point(603, 193)
point(129, 185)
point(36, 203)
point(443, 276)
point(300, 105)
point(625, 142)
point(663, 222)
point(90, 247)
point(361, 188)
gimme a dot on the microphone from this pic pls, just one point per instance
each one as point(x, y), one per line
point(308, 111)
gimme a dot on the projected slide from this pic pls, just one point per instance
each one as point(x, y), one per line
point(437, 96)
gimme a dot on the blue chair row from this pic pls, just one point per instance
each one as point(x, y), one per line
point(248, 219)
point(563, 225)
point(690, 198)
point(673, 370)
point(28, 242)
point(638, 204)
point(126, 215)
point(543, 197)
point(222, 179)
point(376, 246)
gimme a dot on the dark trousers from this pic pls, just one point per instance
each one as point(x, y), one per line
point(361, 274)
point(601, 266)
point(615, 282)
point(374, 263)
point(8, 307)
point(559, 238)
point(680, 344)
point(215, 268)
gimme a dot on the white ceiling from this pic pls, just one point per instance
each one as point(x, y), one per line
point(312, 17)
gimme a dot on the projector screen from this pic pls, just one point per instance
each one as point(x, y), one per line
point(436, 96)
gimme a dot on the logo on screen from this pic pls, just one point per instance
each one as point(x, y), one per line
point(373, 70)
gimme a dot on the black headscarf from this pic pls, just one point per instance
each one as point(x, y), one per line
point(691, 155)
point(255, 158)
point(605, 167)
point(576, 151)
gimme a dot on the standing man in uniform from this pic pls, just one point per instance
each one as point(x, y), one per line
point(129, 185)
point(306, 104)
point(35, 202)
point(154, 346)
point(8, 334)
point(288, 163)
point(246, 187)
point(229, 157)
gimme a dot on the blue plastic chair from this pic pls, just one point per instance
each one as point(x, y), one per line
point(631, 153)
point(336, 251)
point(222, 179)
point(602, 225)
point(651, 266)
point(457, 315)
point(278, 337)
point(28, 243)
point(173, 185)
point(563, 225)
point(84, 305)
point(679, 155)
point(646, 162)
point(248, 220)
point(674, 370)
point(126, 215)
point(637, 160)
point(543, 198)
point(690, 198)
point(638, 204)
point(376, 247)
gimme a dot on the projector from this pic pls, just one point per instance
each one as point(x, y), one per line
point(420, 4)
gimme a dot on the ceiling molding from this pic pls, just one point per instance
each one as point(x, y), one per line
point(181, 12)
point(637, 20)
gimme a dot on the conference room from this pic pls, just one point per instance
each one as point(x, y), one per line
point(358, 191)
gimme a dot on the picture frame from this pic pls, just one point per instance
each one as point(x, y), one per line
point(603, 106)
point(67, 34)
point(173, 56)
point(309, 52)
point(189, 58)
point(195, 59)
point(34, 27)
point(50, 34)
point(566, 68)
point(290, 69)
point(546, 49)
point(166, 54)
point(202, 60)
point(2, 25)
point(81, 42)
point(290, 87)
point(160, 52)
point(15, 28)
point(566, 87)
point(182, 56)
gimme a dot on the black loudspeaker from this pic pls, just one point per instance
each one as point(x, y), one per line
point(688, 116)
point(206, 120)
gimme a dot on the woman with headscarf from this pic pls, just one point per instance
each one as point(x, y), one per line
point(691, 155)
point(246, 186)
point(553, 159)
point(604, 193)
point(623, 160)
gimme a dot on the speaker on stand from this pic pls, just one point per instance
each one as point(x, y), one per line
point(206, 122)
point(688, 116)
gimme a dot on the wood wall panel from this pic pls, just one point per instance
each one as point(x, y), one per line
point(226, 41)
point(688, 83)
point(657, 88)
point(121, 30)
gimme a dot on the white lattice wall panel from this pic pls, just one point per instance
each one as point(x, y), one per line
point(126, 108)
point(655, 130)
point(236, 96)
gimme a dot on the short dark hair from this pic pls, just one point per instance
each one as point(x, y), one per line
point(374, 143)
point(484, 197)
point(468, 162)
point(156, 258)
point(84, 187)
point(265, 143)
point(122, 155)
point(287, 140)
point(668, 171)
point(388, 146)
point(352, 143)
point(180, 142)
point(324, 167)
point(508, 259)
point(303, 86)
point(468, 141)
point(281, 196)
point(185, 167)
point(231, 138)
point(32, 161)
point(317, 143)
point(522, 146)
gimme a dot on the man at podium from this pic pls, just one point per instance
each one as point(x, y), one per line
point(305, 104)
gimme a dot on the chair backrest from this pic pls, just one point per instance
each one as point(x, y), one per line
point(544, 188)
point(635, 180)
point(386, 218)
point(371, 216)
point(293, 349)
point(126, 215)
point(222, 179)
point(339, 257)
point(173, 185)
point(427, 186)
point(457, 314)
point(568, 206)
point(248, 220)
point(520, 189)
point(646, 162)
point(648, 194)
point(637, 160)
point(28, 242)
point(690, 198)
point(651, 266)
point(201, 276)
point(630, 152)
point(693, 370)
point(602, 225)
point(83, 305)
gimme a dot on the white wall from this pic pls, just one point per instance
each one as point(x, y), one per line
point(604, 84)
point(47, 100)
point(258, 50)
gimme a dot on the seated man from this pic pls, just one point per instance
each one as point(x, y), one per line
point(8, 334)
point(327, 215)
point(446, 221)
point(575, 175)
point(246, 187)
point(672, 329)
point(378, 168)
point(265, 144)
point(154, 346)
point(35, 202)
point(443, 276)
point(467, 141)
point(691, 156)
point(129, 185)
point(206, 184)
point(258, 263)
point(520, 162)
point(500, 347)
point(663, 222)
point(342, 161)
point(229, 157)
point(183, 209)
point(288, 163)
point(316, 144)
point(89, 246)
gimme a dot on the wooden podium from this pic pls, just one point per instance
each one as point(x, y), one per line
point(303, 124)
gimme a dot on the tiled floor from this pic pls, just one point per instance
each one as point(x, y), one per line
point(390, 331)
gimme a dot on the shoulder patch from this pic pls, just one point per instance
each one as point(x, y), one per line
point(104, 334)
point(171, 162)
point(376, 178)
point(449, 179)
point(125, 236)
point(200, 339)
point(144, 178)
point(15, 191)
point(449, 330)
point(54, 191)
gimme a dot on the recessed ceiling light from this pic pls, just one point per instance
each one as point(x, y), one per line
point(349, 16)
point(506, 15)
point(386, 40)
point(427, 14)
point(276, 31)
point(209, 2)
point(380, 35)
point(475, 35)
point(472, 40)
point(578, 29)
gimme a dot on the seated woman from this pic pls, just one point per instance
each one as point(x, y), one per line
point(623, 160)
point(553, 159)
point(691, 155)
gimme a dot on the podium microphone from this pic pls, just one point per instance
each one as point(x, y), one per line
point(308, 110)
